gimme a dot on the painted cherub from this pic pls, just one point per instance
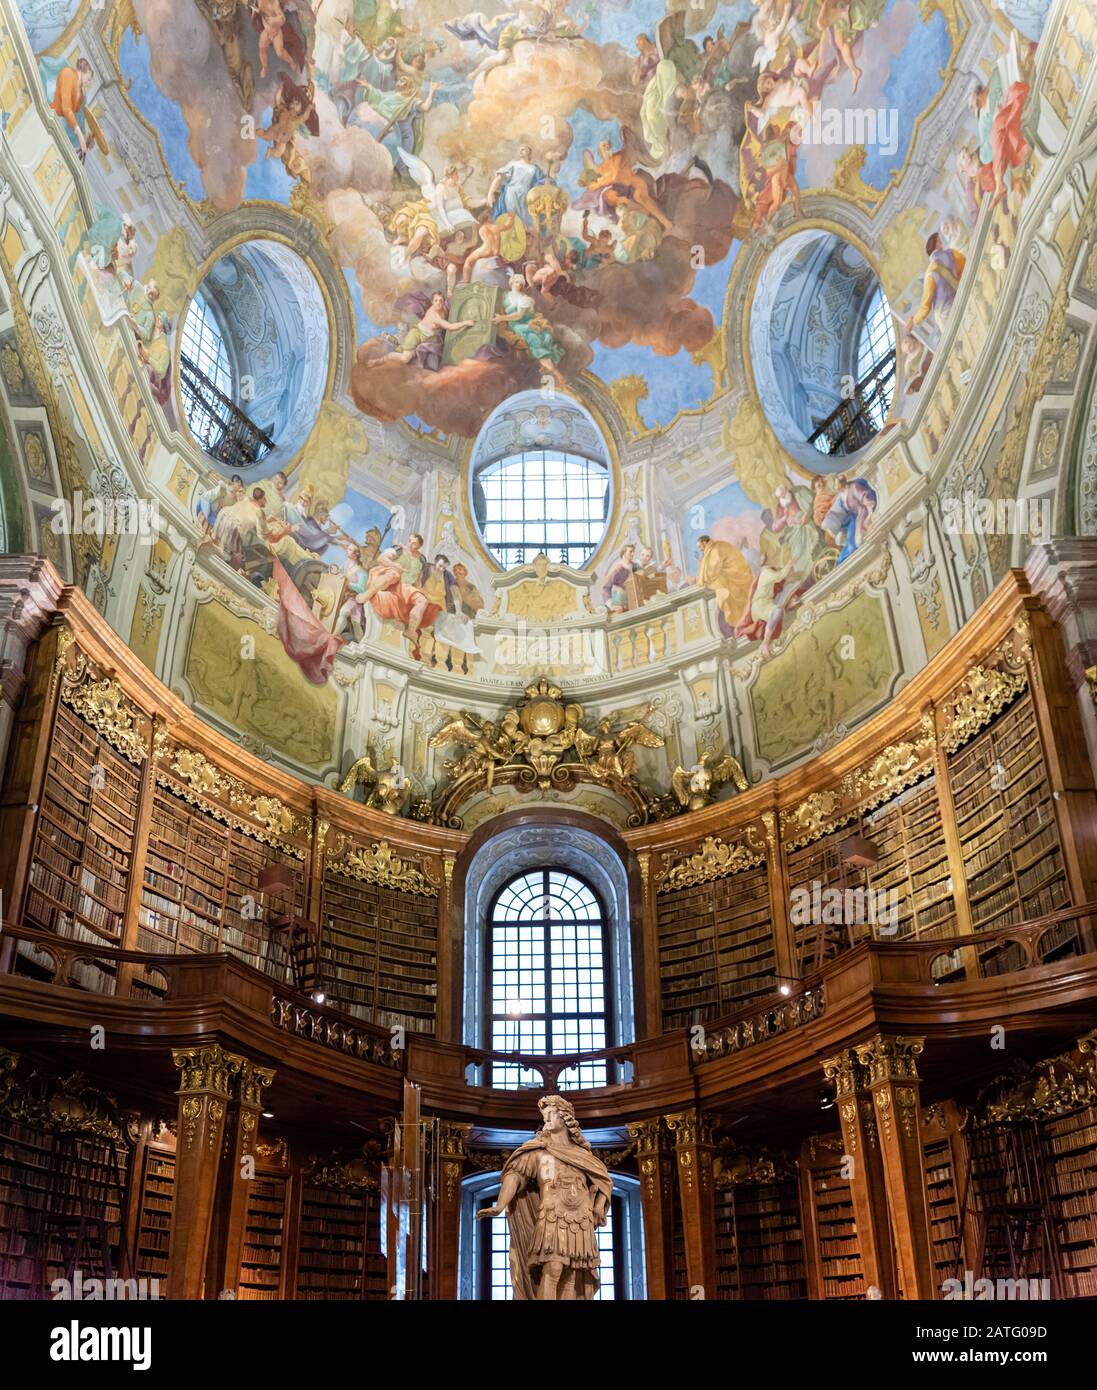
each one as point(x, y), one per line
point(269, 17)
point(294, 106)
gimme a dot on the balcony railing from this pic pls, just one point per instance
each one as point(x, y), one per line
point(218, 423)
point(852, 425)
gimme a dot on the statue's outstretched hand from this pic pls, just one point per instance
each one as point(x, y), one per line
point(487, 1211)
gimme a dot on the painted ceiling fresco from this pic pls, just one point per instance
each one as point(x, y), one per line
point(575, 179)
point(549, 197)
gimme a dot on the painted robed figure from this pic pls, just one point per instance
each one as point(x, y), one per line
point(555, 1192)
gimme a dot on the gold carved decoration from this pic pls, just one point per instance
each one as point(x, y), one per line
point(277, 1149)
point(207, 1068)
point(541, 744)
point(378, 865)
point(982, 695)
point(891, 771)
point(359, 1172)
point(889, 1058)
point(713, 860)
point(1058, 1086)
point(191, 775)
point(100, 701)
point(691, 1128)
point(65, 1105)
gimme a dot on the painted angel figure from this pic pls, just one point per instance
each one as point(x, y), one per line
point(387, 787)
point(556, 1193)
point(694, 786)
point(444, 197)
point(609, 752)
point(485, 742)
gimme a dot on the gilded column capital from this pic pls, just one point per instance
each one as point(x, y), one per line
point(890, 1058)
point(644, 860)
point(453, 1140)
point(252, 1081)
point(842, 1070)
point(690, 1128)
point(648, 1136)
point(208, 1068)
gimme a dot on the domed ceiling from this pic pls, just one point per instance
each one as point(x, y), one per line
point(652, 234)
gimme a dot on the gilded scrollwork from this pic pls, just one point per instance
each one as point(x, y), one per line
point(380, 866)
point(983, 694)
point(100, 701)
point(889, 1058)
point(713, 860)
point(1058, 1086)
point(193, 776)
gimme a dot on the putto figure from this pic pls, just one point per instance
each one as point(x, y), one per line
point(555, 1192)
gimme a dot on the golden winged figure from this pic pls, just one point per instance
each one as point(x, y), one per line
point(387, 787)
point(695, 786)
point(486, 742)
point(608, 752)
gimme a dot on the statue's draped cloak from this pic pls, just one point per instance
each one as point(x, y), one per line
point(524, 1210)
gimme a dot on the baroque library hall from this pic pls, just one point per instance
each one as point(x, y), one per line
point(488, 810)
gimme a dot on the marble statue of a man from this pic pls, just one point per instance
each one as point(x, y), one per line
point(555, 1192)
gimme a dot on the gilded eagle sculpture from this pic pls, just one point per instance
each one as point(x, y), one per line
point(696, 786)
point(386, 788)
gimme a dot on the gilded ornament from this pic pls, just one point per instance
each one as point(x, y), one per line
point(983, 694)
point(100, 702)
point(890, 1058)
point(378, 865)
point(713, 860)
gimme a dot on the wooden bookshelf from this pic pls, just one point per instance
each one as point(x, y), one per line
point(760, 1242)
point(839, 1271)
point(771, 1241)
point(45, 1178)
point(200, 890)
point(716, 949)
point(379, 952)
point(1069, 1145)
point(154, 1214)
point(945, 1223)
point(727, 1245)
point(1005, 817)
point(84, 837)
point(262, 1262)
point(913, 863)
point(339, 1255)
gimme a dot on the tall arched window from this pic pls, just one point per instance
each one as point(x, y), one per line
point(547, 975)
point(541, 500)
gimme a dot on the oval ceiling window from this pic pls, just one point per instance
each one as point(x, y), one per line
point(540, 482)
point(253, 357)
point(822, 347)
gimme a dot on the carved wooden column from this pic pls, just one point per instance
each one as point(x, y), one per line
point(656, 1164)
point(237, 1172)
point(448, 1022)
point(649, 1020)
point(1063, 574)
point(785, 960)
point(889, 1066)
point(452, 1140)
point(693, 1150)
point(30, 588)
point(206, 1078)
point(867, 1185)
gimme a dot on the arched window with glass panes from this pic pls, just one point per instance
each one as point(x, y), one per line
point(541, 501)
point(547, 976)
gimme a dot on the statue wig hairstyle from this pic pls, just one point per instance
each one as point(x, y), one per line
point(572, 1124)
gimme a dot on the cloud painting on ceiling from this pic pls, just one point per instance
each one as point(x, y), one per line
point(528, 202)
point(572, 179)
